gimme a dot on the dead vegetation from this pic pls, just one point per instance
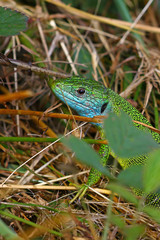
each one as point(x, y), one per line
point(36, 176)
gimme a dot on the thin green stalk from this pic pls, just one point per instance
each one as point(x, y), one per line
point(41, 140)
point(156, 113)
point(125, 14)
point(7, 214)
point(4, 206)
point(110, 205)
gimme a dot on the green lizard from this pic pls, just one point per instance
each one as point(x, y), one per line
point(90, 98)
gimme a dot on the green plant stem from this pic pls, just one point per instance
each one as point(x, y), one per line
point(125, 14)
point(156, 113)
point(41, 140)
point(110, 205)
point(7, 214)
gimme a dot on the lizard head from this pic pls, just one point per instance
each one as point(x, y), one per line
point(87, 97)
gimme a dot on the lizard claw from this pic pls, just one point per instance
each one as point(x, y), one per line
point(93, 178)
point(81, 192)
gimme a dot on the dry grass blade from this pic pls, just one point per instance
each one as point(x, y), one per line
point(113, 22)
point(16, 96)
point(96, 119)
point(38, 179)
point(12, 62)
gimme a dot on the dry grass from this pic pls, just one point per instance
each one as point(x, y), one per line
point(69, 41)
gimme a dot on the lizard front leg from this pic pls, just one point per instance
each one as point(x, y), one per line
point(94, 175)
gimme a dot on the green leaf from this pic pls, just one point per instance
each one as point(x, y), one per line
point(84, 57)
point(117, 221)
point(7, 233)
point(151, 176)
point(86, 154)
point(133, 232)
point(125, 139)
point(154, 213)
point(123, 192)
point(11, 22)
point(128, 77)
point(132, 177)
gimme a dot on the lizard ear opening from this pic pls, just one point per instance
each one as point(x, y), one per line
point(104, 107)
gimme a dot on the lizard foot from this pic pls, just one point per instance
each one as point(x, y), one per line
point(81, 192)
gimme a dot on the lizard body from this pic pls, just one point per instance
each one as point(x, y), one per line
point(90, 98)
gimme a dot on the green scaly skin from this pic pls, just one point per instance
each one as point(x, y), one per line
point(90, 98)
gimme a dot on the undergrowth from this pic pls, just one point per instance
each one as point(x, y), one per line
point(38, 178)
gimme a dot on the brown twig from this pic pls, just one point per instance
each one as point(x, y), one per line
point(12, 63)
point(96, 119)
point(16, 96)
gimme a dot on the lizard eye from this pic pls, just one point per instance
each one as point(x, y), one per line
point(103, 107)
point(81, 91)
